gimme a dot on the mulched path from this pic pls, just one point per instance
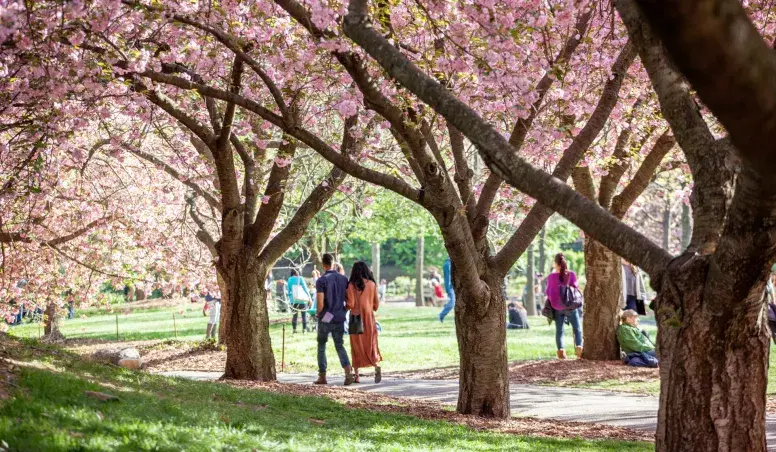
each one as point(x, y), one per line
point(569, 372)
point(435, 411)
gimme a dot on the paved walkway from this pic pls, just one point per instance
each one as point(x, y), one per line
point(569, 404)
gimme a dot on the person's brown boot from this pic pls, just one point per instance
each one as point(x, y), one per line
point(349, 376)
point(321, 379)
point(578, 351)
point(561, 354)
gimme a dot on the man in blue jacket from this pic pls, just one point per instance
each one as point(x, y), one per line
point(447, 269)
point(330, 289)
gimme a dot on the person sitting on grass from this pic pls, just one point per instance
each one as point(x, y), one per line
point(518, 318)
point(635, 344)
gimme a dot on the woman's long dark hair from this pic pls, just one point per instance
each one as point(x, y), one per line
point(360, 275)
point(560, 259)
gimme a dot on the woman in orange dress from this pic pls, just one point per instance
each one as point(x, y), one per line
point(362, 299)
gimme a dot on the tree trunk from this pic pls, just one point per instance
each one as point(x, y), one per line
point(714, 364)
point(530, 300)
point(483, 388)
point(542, 251)
point(249, 350)
point(603, 296)
point(223, 327)
point(667, 227)
point(686, 227)
point(131, 293)
point(51, 332)
point(419, 273)
point(376, 261)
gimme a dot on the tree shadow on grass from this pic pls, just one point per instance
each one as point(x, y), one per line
point(50, 411)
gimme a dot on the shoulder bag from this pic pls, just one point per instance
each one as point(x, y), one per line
point(356, 323)
point(571, 297)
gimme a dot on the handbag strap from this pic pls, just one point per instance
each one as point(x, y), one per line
point(358, 299)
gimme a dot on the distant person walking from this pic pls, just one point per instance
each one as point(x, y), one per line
point(447, 270)
point(382, 289)
point(362, 300)
point(633, 292)
point(299, 298)
point(331, 289)
point(562, 276)
point(213, 308)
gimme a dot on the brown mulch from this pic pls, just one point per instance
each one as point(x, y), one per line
point(569, 372)
point(770, 404)
point(435, 411)
point(161, 360)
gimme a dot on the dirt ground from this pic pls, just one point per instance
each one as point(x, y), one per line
point(569, 372)
point(435, 411)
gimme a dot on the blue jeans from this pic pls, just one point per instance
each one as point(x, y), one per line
point(337, 331)
point(448, 306)
point(573, 316)
point(630, 302)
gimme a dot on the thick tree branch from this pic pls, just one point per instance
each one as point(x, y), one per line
point(18, 237)
point(617, 168)
point(296, 228)
point(501, 157)
point(532, 224)
point(463, 174)
point(583, 182)
point(226, 124)
point(346, 164)
point(733, 69)
point(404, 122)
point(275, 192)
point(713, 172)
point(231, 43)
point(163, 102)
point(640, 181)
point(203, 235)
point(620, 164)
point(157, 162)
point(523, 125)
point(249, 180)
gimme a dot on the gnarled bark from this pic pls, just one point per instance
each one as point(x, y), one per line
point(249, 349)
point(480, 327)
point(51, 323)
point(603, 295)
point(714, 364)
point(224, 325)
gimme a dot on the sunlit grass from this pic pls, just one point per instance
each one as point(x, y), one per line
point(49, 412)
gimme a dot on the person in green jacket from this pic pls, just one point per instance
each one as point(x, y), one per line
point(631, 338)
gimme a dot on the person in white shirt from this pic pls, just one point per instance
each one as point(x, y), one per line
point(213, 307)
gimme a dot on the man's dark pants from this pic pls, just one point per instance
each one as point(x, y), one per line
point(337, 331)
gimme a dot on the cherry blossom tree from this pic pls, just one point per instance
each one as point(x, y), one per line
point(712, 336)
point(77, 219)
point(603, 290)
point(432, 152)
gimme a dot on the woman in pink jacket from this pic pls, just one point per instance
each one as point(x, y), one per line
point(562, 276)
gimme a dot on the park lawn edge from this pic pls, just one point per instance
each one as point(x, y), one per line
point(46, 408)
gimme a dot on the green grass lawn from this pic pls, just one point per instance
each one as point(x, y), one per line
point(49, 411)
point(412, 338)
